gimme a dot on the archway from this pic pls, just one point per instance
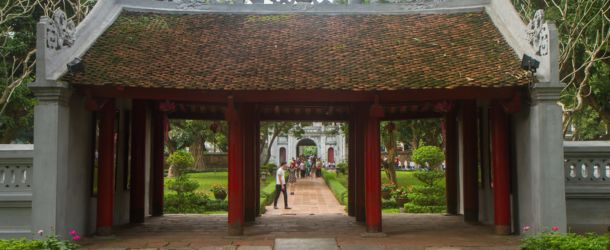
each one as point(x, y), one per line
point(307, 146)
point(282, 155)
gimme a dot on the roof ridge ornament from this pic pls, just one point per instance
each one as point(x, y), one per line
point(60, 31)
point(538, 34)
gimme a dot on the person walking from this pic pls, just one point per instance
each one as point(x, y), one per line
point(302, 168)
point(292, 178)
point(280, 186)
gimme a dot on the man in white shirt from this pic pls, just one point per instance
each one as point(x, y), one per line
point(280, 186)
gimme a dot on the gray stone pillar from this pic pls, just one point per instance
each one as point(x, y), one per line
point(542, 203)
point(546, 179)
point(51, 155)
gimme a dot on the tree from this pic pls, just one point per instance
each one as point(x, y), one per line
point(388, 140)
point(17, 58)
point(584, 37)
point(194, 134)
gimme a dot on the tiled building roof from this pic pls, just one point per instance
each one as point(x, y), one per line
point(301, 51)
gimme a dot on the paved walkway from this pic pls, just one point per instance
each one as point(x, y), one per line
point(311, 197)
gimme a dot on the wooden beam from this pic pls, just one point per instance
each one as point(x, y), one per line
point(301, 96)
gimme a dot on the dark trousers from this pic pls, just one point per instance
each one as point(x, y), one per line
point(278, 189)
point(303, 173)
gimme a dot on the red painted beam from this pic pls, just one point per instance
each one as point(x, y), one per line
point(158, 144)
point(372, 170)
point(451, 161)
point(469, 161)
point(138, 162)
point(501, 176)
point(301, 96)
point(105, 183)
point(236, 172)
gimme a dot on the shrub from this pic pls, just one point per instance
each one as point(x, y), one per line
point(336, 187)
point(49, 243)
point(270, 168)
point(182, 185)
point(429, 198)
point(341, 168)
point(431, 156)
point(179, 162)
point(554, 240)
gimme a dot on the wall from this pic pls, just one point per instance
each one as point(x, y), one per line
point(587, 171)
point(15, 190)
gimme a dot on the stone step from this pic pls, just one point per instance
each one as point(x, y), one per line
point(306, 244)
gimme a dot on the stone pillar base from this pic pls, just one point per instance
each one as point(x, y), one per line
point(502, 229)
point(236, 229)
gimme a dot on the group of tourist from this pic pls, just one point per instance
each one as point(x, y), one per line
point(301, 167)
point(307, 166)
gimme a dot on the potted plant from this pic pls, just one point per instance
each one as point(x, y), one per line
point(220, 193)
point(400, 195)
point(386, 191)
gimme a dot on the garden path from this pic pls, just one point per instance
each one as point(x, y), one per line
point(311, 197)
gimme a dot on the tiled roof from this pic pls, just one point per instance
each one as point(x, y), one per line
point(301, 51)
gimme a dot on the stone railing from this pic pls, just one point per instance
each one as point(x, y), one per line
point(587, 173)
point(15, 190)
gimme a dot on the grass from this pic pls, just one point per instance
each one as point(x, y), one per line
point(205, 180)
point(337, 185)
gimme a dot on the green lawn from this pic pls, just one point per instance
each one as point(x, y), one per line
point(205, 180)
point(404, 178)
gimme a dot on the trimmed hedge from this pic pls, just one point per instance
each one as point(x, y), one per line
point(266, 196)
point(338, 189)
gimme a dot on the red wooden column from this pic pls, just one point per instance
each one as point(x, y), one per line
point(236, 171)
point(138, 162)
point(359, 115)
point(250, 162)
point(105, 182)
point(159, 129)
point(451, 161)
point(469, 161)
point(351, 163)
point(257, 164)
point(501, 176)
point(372, 170)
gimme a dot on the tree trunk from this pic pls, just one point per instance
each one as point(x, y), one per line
point(197, 149)
point(268, 154)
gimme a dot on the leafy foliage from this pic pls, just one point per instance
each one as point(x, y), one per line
point(336, 187)
point(180, 161)
point(341, 168)
point(431, 156)
point(584, 40)
point(570, 241)
point(182, 185)
point(48, 243)
point(427, 198)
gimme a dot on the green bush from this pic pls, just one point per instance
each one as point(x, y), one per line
point(185, 203)
point(338, 189)
point(388, 203)
point(180, 161)
point(182, 185)
point(570, 241)
point(49, 243)
point(341, 168)
point(429, 156)
point(427, 198)
point(269, 168)
point(267, 194)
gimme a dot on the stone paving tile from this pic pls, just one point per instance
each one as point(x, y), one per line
point(228, 247)
point(305, 244)
point(362, 247)
point(254, 248)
